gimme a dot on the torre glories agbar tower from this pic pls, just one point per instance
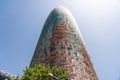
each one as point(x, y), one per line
point(61, 44)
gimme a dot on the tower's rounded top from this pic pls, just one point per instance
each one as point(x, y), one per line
point(60, 15)
point(61, 9)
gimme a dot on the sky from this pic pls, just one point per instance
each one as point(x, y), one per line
point(21, 22)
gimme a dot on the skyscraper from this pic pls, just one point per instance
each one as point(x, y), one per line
point(61, 44)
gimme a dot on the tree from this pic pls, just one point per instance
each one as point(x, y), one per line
point(61, 73)
point(16, 78)
point(44, 72)
point(38, 72)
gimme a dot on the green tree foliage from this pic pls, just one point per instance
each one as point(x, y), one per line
point(17, 78)
point(61, 73)
point(39, 72)
point(42, 72)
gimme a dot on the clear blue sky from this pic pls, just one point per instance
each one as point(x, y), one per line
point(21, 22)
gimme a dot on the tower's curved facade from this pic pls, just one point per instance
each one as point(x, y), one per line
point(61, 44)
